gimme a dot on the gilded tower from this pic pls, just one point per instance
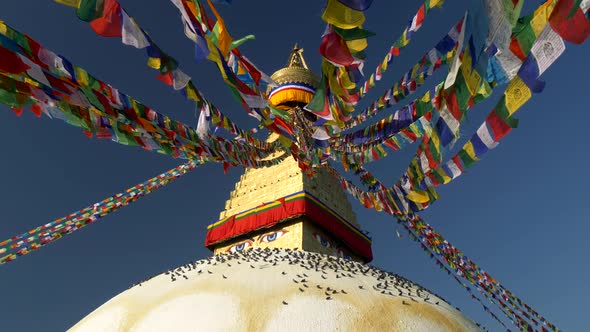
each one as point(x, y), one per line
point(282, 207)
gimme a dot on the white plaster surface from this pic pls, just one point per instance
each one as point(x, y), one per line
point(275, 290)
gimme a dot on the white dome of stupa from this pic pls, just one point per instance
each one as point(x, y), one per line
point(276, 290)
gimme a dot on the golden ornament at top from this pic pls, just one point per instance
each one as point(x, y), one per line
point(296, 70)
point(296, 84)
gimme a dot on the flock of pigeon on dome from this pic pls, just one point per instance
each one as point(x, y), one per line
point(491, 47)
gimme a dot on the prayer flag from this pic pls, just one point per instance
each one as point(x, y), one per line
point(110, 24)
point(342, 16)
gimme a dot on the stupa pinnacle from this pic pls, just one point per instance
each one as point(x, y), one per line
point(296, 82)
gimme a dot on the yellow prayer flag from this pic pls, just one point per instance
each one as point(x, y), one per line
point(372, 80)
point(71, 3)
point(154, 63)
point(404, 38)
point(517, 93)
point(485, 90)
point(446, 178)
point(414, 129)
point(342, 16)
point(426, 97)
point(472, 77)
point(31, 82)
point(436, 3)
point(540, 18)
point(192, 94)
point(81, 76)
point(223, 38)
point(357, 45)
point(420, 79)
point(3, 28)
point(468, 147)
point(335, 85)
point(384, 63)
point(433, 193)
point(435, 140)
point(214, 56)
point(415, 70)
point(418, 196)
point(345, 79)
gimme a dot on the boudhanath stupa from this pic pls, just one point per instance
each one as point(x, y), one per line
point(289, 255)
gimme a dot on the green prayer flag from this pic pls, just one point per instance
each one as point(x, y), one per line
point(466, 159)
point(90, 10)
point(524, 33)
point(354, 33)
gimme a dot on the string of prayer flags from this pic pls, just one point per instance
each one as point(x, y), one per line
point(500, 121)
point(65, 91)
point(38, 237)
point(109, 19)
point(342, 49)
point(440, 262)
point(525, 318)
point(468, 89)
point(497, 125)
point(413, 79)
point(212, 41)
point(404, 40)
point(430, 62)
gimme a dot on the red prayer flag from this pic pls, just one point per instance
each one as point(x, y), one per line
point(498, 126)
point(515, 48)
point(420, 16)
point(453, 104)
point(335, 50)
point(11, 63)
point(574, 29)
point(457, 161)
point(166, 78)
point(110, 24)
point(251, 69)
point(17, 111)
point(36, 109)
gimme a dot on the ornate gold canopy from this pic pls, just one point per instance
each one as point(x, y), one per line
point(296, 83)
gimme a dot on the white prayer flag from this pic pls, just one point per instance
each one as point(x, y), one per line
point(132, 34)
point(484, 135)
point(547, 48)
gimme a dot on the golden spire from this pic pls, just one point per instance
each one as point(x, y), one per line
point(296, 70)
point(296, 58)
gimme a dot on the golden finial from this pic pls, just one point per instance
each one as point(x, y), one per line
point(296, 70)
point(296, 58)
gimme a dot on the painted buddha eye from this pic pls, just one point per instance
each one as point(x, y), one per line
point(240, 246)
point(322, 240)
point(272, 236)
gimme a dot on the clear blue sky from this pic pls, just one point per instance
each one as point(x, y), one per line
point(521, 213)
